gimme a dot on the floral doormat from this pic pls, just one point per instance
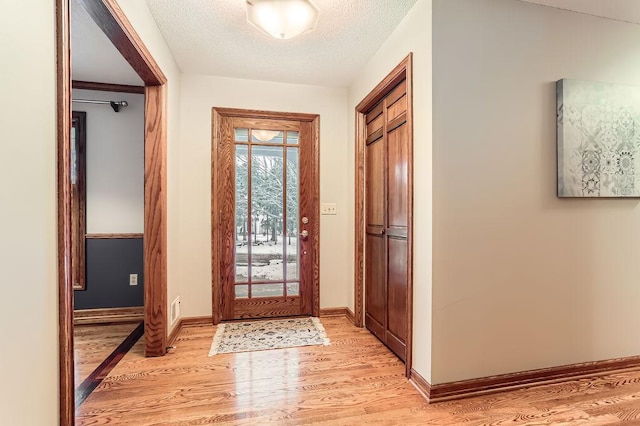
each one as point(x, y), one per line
point(271, 334)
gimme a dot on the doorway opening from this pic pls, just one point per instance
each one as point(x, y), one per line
point(265, 214)
point(383, 284)
point(112, 21)
point(107, 179)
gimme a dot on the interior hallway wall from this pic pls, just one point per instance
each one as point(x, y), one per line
point(522, 279)
point(29, 317)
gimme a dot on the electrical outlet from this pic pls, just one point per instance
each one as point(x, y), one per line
point(133, 279)
point(328, 208)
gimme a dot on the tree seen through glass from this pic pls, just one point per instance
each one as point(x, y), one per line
point(265, 232)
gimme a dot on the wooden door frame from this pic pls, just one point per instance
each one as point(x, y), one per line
point(112, 21)
point(404, 70)
point(216, 138)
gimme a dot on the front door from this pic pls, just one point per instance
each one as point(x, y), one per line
point(266, 201)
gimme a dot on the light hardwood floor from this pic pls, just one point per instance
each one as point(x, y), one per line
point(92, 344)
point(355, 381)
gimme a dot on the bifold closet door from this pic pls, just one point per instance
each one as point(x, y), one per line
point(375, 270)
point(387, 220)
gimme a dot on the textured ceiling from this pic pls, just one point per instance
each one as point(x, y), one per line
point(93, 57)
point(621, 10)
point(213, 37)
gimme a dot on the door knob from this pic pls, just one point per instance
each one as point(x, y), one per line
point(304, 234)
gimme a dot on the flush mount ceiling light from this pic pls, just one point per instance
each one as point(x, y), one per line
point(282, 19)
point(265, 135)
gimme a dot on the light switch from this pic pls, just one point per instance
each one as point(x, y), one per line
point(328, 208)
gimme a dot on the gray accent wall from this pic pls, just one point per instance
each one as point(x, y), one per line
point(109, 263)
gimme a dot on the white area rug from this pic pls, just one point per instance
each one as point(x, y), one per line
point(270, 334)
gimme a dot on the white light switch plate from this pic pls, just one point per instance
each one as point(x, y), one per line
point(328, 208)
point(133, 279)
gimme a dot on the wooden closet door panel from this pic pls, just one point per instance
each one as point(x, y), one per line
point(398, 182)
point(375, 125)
point(387, 219)
point(375, 183)
point(397, 295)
point(375, 295)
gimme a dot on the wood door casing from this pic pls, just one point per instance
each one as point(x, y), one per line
point(387, 204)
point(225, 305)
point(110, 18)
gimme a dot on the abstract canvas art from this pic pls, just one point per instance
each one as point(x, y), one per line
point(598, 139)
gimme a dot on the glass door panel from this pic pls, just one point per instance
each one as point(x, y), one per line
point(267, 209)
point(266, 213)
point(242, 291)
point(292, 137)
point(267, 290)
point(292, 191)
point(243, 234)
point(242, 135)
point(293, 289)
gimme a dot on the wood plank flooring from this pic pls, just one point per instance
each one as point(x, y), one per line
point(92, 344)
point(354, 381)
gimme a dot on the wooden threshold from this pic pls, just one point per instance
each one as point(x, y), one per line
point(108, 315)
point(524, 379)
point(103, 370)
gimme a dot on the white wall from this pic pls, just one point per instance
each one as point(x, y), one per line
point(28, 318)
point(412, 35)
point(140, 17)
point(522, 279)
point(115, 162)
point(199, 95)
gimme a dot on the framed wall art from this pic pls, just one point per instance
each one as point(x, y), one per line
point(598, 139)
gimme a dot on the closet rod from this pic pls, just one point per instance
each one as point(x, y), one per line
point(116, 105)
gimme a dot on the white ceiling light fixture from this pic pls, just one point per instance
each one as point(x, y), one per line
point(283, 19)
point(265, 135)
